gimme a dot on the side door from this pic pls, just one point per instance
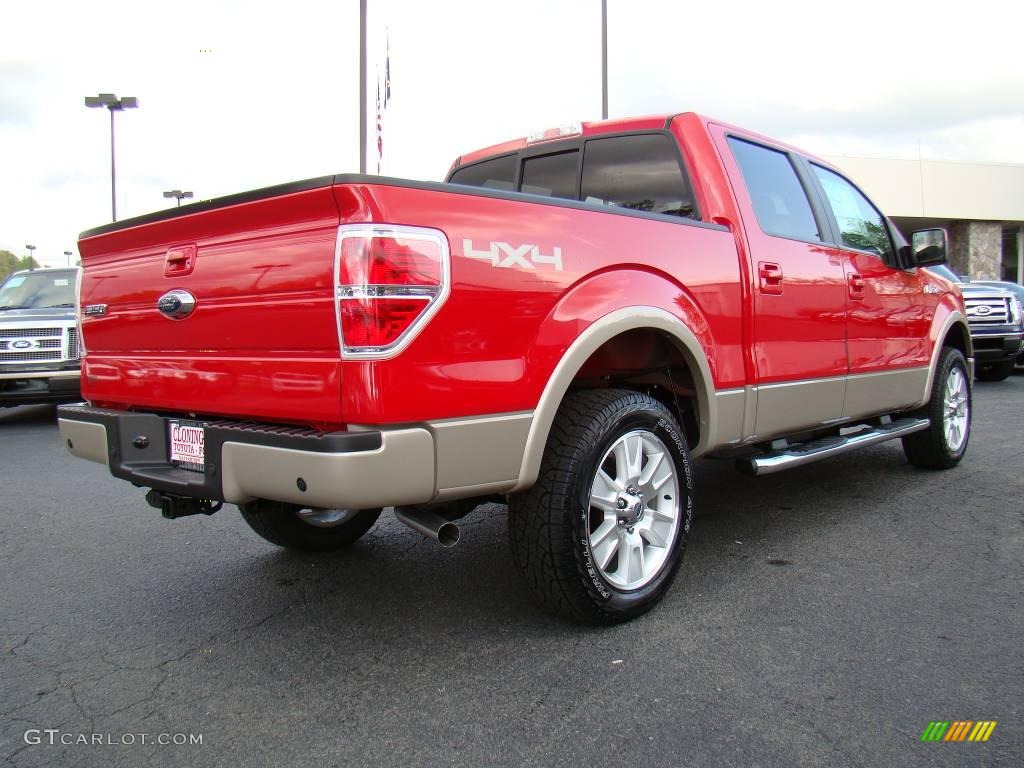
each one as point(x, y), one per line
point(799, 289)
point(889, 315)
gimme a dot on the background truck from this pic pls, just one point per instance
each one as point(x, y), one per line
point(39, 361)
point(996, 321)
point(564, 324)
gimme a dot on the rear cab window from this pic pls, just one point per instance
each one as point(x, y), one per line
point(496, 173)
point(641, 172)
point(551, 175)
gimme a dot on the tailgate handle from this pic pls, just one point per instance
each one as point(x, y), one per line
point(180, 260)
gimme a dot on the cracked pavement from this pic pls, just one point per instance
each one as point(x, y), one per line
point(822, 616)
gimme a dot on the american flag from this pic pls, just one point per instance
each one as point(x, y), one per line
point(387, 98)
point(387, 72)
point(380, 132)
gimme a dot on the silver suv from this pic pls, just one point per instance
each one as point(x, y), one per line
point(39, 351)
point(996, 319)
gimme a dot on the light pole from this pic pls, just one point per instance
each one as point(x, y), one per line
point(177, 194)
point(362, 86)
point(67, 255)
point(31, 255)
point(113, 104)
point(604, 59)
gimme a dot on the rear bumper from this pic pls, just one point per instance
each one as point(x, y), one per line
point(245, 461)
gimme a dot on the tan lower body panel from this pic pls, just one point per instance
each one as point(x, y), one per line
point(792, 406)
point(85, 440)
point(730, 413)
point(479, 455)
point(439, 461)
point(401, 471)
point(869, 394)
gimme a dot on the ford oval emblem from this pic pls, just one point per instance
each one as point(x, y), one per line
point(981, 310)
point(176, 304)
point(24, 344)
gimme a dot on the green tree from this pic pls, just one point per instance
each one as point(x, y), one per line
point(11, 263)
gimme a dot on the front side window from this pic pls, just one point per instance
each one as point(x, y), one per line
point(498, 173)
point(861, 226)
point(780, 202)
point(639, 172)
point(551, 175)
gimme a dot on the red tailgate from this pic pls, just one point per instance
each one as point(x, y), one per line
point(262, 339)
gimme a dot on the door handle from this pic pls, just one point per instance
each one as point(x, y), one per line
point(856, 283)
point(770, 275)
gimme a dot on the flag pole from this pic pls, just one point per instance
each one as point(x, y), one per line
point(362, 86)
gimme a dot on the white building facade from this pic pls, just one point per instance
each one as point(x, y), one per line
point(981, 206)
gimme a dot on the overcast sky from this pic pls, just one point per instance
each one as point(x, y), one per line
point(234, 96)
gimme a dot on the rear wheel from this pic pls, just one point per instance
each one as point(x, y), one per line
point(944, 443)
point(306, 529)
point(602, 533)
point(994, 371)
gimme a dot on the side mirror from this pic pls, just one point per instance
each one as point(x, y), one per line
point(928, 247)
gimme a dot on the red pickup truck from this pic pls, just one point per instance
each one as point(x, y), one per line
point(563, 324)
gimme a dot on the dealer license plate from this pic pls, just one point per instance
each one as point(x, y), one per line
point(187, 444)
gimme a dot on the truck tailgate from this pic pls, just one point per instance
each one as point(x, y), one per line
point(232, 355)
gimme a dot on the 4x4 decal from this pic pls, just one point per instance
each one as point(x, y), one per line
point(506, 256)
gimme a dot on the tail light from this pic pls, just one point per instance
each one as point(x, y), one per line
point(390, 281)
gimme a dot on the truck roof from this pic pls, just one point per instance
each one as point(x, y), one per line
point(620, 125)
point(648, 122)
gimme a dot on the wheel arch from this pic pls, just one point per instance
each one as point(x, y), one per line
point(601, 331)
point(953, 331)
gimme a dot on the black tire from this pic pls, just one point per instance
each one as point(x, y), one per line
point(930, 448)
point(280, 523)
point(550, 524)
point(994, 371)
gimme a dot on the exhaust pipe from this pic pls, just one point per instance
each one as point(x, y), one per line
point(430, 524)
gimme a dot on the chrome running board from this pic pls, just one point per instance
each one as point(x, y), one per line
point(814, 450)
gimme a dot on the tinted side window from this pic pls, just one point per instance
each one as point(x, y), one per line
point(861, 226)
point(551, 175)
point(779, 199)
point(498, 173)
point(637, 172)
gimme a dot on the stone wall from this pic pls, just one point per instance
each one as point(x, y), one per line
point(975, 249)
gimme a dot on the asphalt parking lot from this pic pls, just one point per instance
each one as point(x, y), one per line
point(822, 617)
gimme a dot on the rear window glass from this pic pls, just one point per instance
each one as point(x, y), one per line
point(551, 175)
point(780, 203)
point(498, 173)
point(641, 173)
